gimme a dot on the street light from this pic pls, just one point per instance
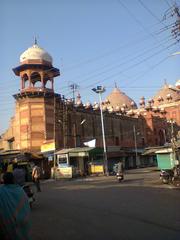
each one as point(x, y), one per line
point(100, 90)
point(176, 53)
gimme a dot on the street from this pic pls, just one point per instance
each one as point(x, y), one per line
point(101, 208)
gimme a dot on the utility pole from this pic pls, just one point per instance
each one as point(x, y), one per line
point(135, 142)
point(73, 87)
point(65, 128)
point(54, 132)
point(176, 28)
point(172, 24)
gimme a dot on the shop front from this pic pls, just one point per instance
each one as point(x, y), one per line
point(80, 160)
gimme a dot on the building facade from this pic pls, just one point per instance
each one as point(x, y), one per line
point(43, 116)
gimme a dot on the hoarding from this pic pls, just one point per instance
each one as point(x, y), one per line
point(45, 147)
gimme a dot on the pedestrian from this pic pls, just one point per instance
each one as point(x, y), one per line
point(19, 174)
point(36, 173)
point(14, 211)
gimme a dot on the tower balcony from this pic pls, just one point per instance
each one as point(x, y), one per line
point(37, 89)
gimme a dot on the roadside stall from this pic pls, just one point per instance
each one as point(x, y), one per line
point(165, 159)
point(74, 162)
point(168, 160)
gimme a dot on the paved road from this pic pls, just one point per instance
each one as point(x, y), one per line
point(100, 208)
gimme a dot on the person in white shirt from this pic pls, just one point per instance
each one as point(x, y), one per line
point(36, 173)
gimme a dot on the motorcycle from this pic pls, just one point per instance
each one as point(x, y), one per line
point(167, 176)
point(30, 194)
point(119, 176)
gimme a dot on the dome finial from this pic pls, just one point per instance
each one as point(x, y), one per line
point(115, 84)
point(35, 40)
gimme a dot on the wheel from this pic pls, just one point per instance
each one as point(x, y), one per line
point(165, 181)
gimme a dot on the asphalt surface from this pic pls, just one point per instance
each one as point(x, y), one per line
point(101, 208)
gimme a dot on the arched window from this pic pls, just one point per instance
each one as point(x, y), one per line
point(36, 79)
point(47, 81)
point(48, 84)
point(25, 82)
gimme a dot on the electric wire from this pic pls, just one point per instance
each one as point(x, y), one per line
point(118, 65)
point(150, 12)
point(138, 76)
point(132, 66)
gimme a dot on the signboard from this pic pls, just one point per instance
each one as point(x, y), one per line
point(93, 168)
point(64, 172)
point(45, 147)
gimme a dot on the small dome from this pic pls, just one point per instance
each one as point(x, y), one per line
point(118, 98)
point(35, 53)
point(166, 93)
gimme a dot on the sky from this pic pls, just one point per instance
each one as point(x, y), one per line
point(93, 42)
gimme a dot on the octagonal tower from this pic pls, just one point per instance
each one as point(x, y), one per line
point(35, 103)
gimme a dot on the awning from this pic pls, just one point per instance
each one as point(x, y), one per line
point(166, 150)
point(9, 152)
point(80, 152)
point(151, 151)
point(36, 156)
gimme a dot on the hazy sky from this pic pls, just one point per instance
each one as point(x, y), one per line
point(93, 42)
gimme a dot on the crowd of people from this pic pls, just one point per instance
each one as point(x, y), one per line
point(20, 174)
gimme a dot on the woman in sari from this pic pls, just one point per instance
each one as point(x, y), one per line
point(14, 211)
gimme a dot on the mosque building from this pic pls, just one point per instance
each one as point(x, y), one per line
point(44, 117)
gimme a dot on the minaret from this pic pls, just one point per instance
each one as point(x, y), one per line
point(35, 102)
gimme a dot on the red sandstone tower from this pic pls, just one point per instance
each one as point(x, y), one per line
point(34, 115)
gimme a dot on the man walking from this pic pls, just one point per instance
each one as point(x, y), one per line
point(36, 173)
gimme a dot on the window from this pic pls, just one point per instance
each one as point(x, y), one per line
point(117, 141)
point(143, 141)
point(10, 143)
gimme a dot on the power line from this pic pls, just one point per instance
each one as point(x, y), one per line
point(120, 64)
point(150, 12)
point(132, 66)
point(150, 69)
point(166, 1)
point(136, 20)
point(111, 51)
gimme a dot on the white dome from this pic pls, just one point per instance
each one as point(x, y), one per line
point(35, 53)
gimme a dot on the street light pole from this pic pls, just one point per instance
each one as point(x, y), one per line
point(171, 121)
point(100, 90)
